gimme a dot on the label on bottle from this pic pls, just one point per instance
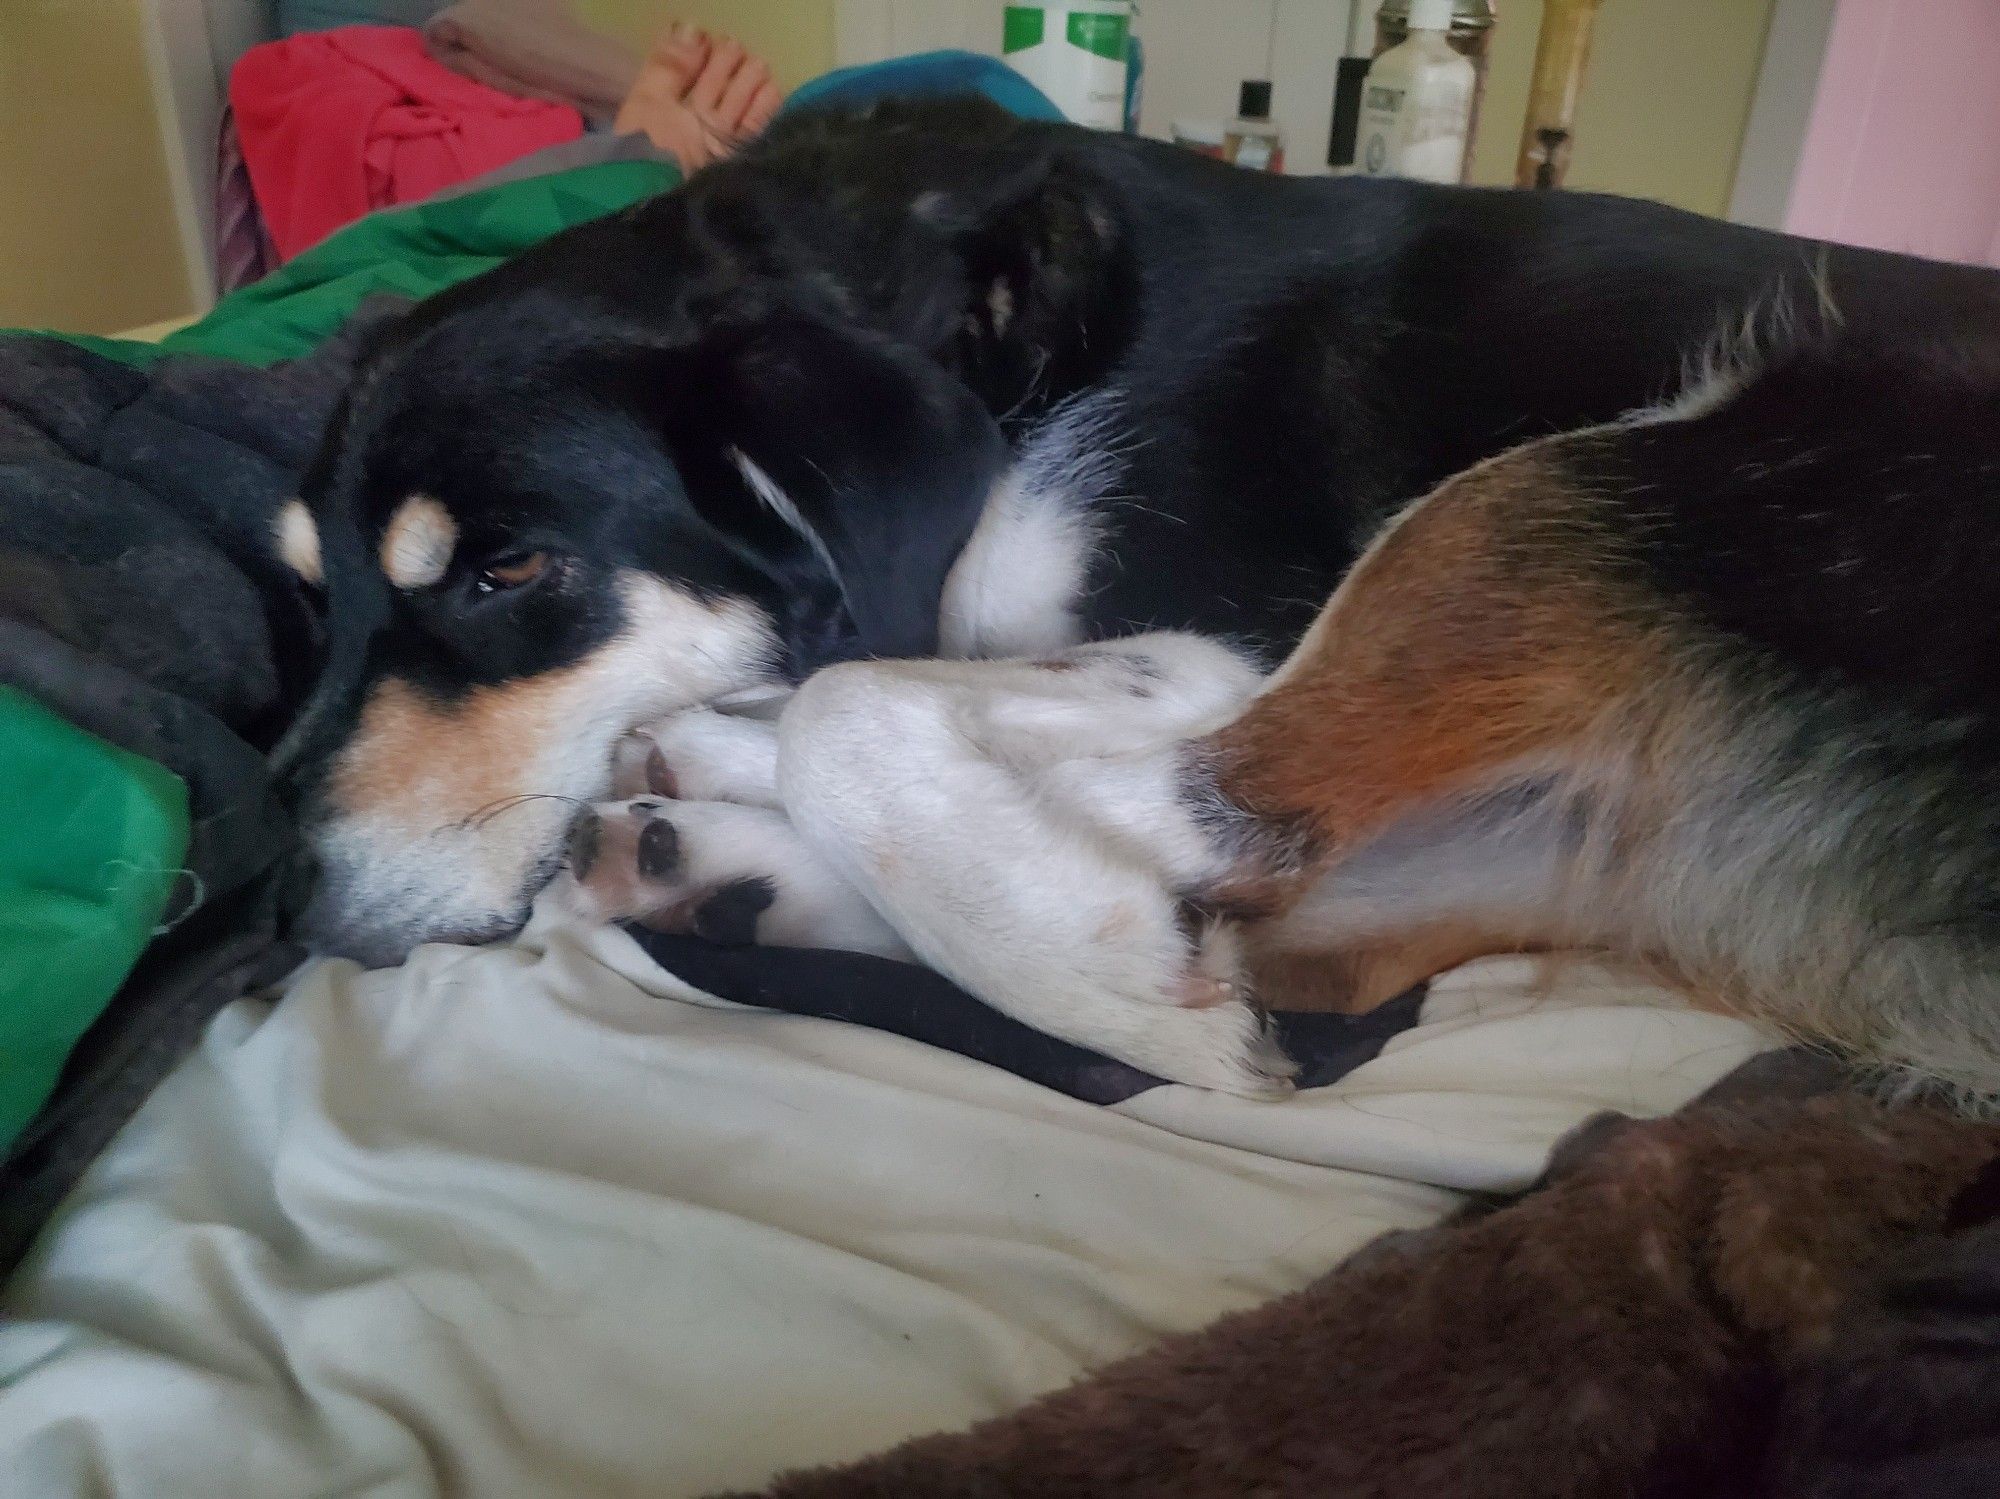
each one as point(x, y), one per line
point(1380, 130)
point(1416, 129)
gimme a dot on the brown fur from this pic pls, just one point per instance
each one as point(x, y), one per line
point(393, 764)
point(1356, 979)
point(1621, 1331)
point(1470, 636)
point(1490, 624)
point(1496, 625)
point(1903, 1399)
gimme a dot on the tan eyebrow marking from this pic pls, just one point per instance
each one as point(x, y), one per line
point(298, 540)
point(417, 546)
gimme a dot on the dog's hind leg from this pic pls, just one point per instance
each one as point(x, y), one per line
point(1503, 724)
point(1452, 701)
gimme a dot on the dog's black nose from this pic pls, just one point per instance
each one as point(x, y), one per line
point(581, 850)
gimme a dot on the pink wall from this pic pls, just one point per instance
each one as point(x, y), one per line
point(1903, 150)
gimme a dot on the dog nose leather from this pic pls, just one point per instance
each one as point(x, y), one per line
point(659, 850)
point(580, 852)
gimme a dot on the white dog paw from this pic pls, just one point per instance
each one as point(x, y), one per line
point(1051, 891)
point(700, 756)
point(1181, 1008)
point(732, 874)
point(1227, 1047)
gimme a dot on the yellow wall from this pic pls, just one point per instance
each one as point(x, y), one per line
point(1664, 103)
point(87, 235)
point(794, 36)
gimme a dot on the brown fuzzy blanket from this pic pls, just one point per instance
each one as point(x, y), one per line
point(1769, 1293)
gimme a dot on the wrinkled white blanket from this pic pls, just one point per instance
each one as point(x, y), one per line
point(541, 1221)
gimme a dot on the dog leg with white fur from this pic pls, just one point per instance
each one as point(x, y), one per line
point(931, 785)
point(1458, 740)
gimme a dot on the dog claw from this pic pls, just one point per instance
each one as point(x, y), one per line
point(1197, 991)
point(660, 775)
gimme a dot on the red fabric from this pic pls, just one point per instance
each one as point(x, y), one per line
point(335, 123)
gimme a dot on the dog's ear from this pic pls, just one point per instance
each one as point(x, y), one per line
point(1051, 284)
point(825, 445)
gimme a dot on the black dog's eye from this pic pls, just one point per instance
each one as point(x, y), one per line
point(511, 571)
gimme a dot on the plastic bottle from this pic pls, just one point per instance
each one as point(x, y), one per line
point(1416, 108)
point(1251, 140)
point(1076, 53)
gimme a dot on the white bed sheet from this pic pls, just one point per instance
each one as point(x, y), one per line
point(543, 1221)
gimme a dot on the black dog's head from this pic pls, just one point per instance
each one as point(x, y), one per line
point(662, 459)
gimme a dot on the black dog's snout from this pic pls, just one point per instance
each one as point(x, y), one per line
point(585, 834)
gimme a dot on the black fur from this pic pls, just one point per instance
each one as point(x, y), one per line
point(1297, 358)
point(729, 915)
point(1837, 515)
point(874, 308)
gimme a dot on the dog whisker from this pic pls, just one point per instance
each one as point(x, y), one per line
point(481, 816)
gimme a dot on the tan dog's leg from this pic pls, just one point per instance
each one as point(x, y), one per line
point(1478, 642)
point(1365, 973)
point(1394, 798)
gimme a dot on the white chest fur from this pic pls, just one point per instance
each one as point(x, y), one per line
point(1016, 587)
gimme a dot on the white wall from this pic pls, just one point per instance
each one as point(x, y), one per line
point(1197, 52)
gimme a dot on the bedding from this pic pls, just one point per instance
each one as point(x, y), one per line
point(403, 252)
point(334, 124)
point(542, 1219)
point(86, 872)
point(144, 633)
point(139, 600)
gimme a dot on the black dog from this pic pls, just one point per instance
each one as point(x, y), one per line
point(925, 381)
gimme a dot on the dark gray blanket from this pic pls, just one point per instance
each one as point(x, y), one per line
point(141, 597)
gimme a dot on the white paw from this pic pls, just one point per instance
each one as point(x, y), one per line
point(733, 874)
point(1174, 1002)
point(1044, 907)
point(1227, 1048)
point(700, 756)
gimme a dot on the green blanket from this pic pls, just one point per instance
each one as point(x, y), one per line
point(408, 252)
point(95, 834)
point(94, 837)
